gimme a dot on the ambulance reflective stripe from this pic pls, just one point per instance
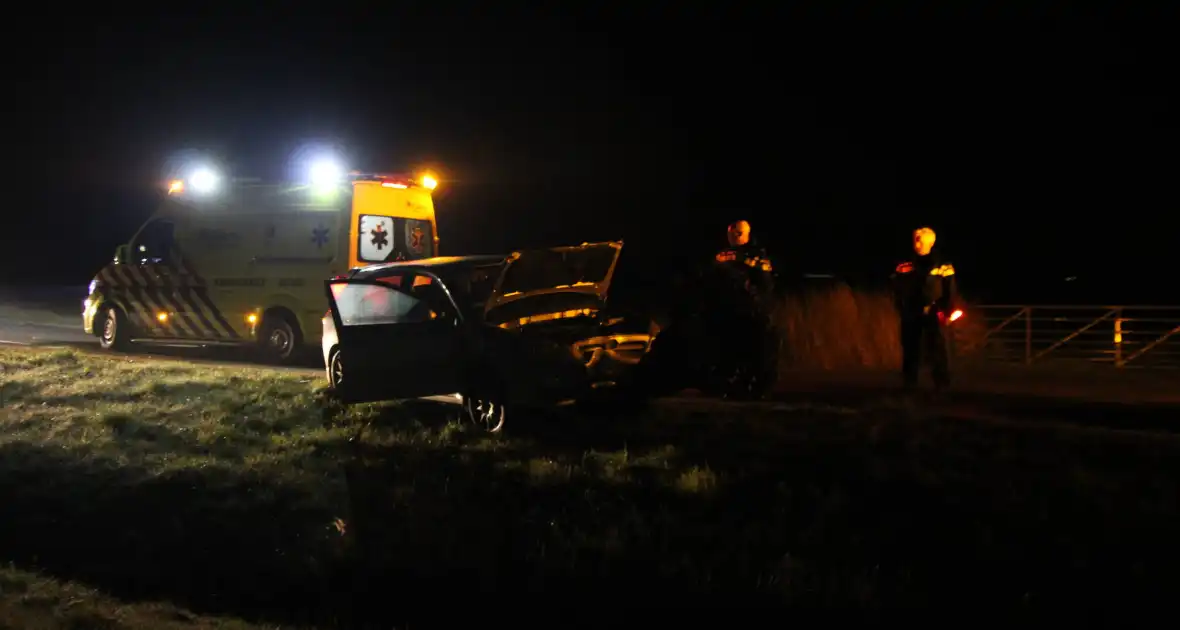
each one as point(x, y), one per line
point(118, 289)
point(115, 286)
point(154, 288)
point(195, 292)
point(142, 295)
point(127, 286)
point(191, 292)
point(168, 292)
point(187, 296)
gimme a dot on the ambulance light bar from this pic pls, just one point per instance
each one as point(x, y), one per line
point(390, 180)
point(203, 181)
point(323, 177)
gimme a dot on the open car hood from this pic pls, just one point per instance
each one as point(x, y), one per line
point(585, 269)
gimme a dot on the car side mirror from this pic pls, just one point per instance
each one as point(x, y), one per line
point(120, 254)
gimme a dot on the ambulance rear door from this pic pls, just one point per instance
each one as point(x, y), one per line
point(391, 223)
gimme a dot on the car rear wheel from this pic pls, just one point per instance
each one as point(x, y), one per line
point(336, 370)
point(115, 332)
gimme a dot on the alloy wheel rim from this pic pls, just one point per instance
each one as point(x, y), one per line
point(108, 327)
point(337, 370)
point(280, 341)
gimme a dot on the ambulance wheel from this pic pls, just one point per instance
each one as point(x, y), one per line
point(115, 332)
point(278, 338)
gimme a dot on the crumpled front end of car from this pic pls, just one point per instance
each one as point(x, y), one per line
point(610, 358)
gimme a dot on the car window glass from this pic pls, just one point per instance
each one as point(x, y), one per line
point(393, 281)
point(435, 303)
point(368, 304)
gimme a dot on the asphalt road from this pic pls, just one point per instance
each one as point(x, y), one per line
point(43, 316)
point(16, 329)
point(17, 332)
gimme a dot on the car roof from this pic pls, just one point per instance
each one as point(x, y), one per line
point(438, 264)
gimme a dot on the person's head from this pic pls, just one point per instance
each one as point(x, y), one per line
point(923, 240)
point(739, 233)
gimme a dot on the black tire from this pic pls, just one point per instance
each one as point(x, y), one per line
point(485, 414)
point(115, 331)
point(336, 371)
point(279, 339)
point(484, 401)
point(338, 390)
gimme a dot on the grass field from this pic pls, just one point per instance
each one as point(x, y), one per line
point(135, 490)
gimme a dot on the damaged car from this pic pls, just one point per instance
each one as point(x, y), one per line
point(527, 330)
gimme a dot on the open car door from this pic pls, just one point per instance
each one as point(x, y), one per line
point(399, 337)
point(584, 269)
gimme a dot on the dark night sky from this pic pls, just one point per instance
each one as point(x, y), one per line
point(1034, 137)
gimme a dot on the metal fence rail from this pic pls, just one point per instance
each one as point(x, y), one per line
point(1122, 336)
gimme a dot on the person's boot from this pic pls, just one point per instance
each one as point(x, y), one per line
point(940, 390)
point(908, 392)
point(737, 387)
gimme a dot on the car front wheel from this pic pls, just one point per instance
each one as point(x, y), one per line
point(115, 330)
point(486, 414)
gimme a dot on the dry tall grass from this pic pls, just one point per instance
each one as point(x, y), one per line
point(839, 328)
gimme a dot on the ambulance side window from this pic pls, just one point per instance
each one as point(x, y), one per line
point(153, 245)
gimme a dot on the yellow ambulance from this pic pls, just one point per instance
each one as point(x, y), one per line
point(244, 263)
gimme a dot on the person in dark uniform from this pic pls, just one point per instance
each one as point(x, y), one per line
point(748, 262)
point(926, 296)
point(717, 332)
point(749, 307)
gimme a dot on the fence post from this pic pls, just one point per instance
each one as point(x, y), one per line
point(1118, 338)
point(1028, 335)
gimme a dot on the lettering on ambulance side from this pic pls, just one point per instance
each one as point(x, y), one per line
point(239, 282)
point(142, 292)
